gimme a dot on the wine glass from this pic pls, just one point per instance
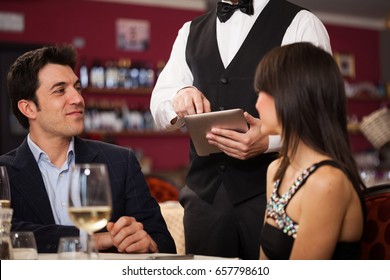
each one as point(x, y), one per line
point(90, 201)
point(70, 248)
point(24, 246)
point(5, 194)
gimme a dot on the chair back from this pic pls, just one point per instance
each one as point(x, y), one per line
point(162, 189)
point(173, 214)
point(375, 243)
point(167, 195)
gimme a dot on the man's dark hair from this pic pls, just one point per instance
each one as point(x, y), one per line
point(22, 79)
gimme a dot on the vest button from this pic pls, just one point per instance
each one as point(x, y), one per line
point(224, 80)
point(222, 168)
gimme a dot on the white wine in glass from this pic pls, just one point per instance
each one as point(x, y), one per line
point(5, 193)
point(90, 218)
point(90, 200)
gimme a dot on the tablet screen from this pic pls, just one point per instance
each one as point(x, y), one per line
point(200, 124)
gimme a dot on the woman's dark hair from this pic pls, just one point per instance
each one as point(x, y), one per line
point(310, 102)
point(22, 79)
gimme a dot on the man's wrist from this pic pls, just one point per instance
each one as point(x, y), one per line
point(185, 88)
point(274, 143)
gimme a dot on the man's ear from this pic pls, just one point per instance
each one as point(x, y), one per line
point(27, 108)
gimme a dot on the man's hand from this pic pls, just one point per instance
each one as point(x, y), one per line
point(190, 101)
point(127, 235)
point(240, 145)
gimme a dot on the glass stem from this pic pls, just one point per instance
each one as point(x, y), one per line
point(91, 249)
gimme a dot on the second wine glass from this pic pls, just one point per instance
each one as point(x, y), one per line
point(90, 202)
point(5, 194)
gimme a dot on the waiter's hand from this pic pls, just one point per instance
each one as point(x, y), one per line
point(240, 145)
point(190, 101)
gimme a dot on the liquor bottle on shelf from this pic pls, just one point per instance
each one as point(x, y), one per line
point(111, 75)
point(143, 77)
point(134, 77)
point(148, 119)
point(84, 80)
point(148, 75)
point(124, 73)
point(97, 75)
point(151, 78)
point(136, 119)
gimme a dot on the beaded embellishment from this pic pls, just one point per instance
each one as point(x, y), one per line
point(276, 206)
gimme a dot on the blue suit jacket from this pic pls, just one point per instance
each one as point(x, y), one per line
point(130, 194)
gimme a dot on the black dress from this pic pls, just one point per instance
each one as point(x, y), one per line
point(277, 242)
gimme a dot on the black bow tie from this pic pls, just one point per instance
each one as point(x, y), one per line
point(226, 10)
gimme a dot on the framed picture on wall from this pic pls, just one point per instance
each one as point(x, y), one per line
point(132, 34)
point(346, 63)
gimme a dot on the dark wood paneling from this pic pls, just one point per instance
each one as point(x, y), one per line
point(12, 133)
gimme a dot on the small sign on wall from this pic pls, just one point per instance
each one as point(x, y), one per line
point(11, 22)
point(132, 35)
point(346, 63)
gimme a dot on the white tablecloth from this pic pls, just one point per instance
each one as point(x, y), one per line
point(118, 256)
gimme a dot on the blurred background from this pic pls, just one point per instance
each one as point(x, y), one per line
point(124, 44)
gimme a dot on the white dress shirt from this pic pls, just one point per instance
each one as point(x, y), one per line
point(56, 181)
point(230, 36)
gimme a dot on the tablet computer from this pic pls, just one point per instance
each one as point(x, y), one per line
point(200, 124)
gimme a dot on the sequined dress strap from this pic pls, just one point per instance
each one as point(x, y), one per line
point(276, 206)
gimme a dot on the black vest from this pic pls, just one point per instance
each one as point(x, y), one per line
point(232, 88)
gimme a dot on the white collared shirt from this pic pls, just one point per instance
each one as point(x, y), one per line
point(230, 36)
point(56, 180)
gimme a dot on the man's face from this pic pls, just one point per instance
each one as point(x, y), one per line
point(61, 106)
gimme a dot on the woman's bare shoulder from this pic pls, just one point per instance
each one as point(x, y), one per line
point(329, 182)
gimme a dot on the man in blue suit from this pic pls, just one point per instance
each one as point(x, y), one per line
point(46, 99)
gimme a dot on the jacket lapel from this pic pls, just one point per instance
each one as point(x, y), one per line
point(28, 182)
point(83, 152)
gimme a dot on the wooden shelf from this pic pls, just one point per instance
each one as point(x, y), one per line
point(368, 98)
point(141, 133)
point(166, 150)
point(119, 91)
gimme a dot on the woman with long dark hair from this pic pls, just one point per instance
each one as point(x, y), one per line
point(314, 202)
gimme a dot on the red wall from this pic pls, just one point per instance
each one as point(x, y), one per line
point(364, 44)
point(61, 21)
point(58, 21)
